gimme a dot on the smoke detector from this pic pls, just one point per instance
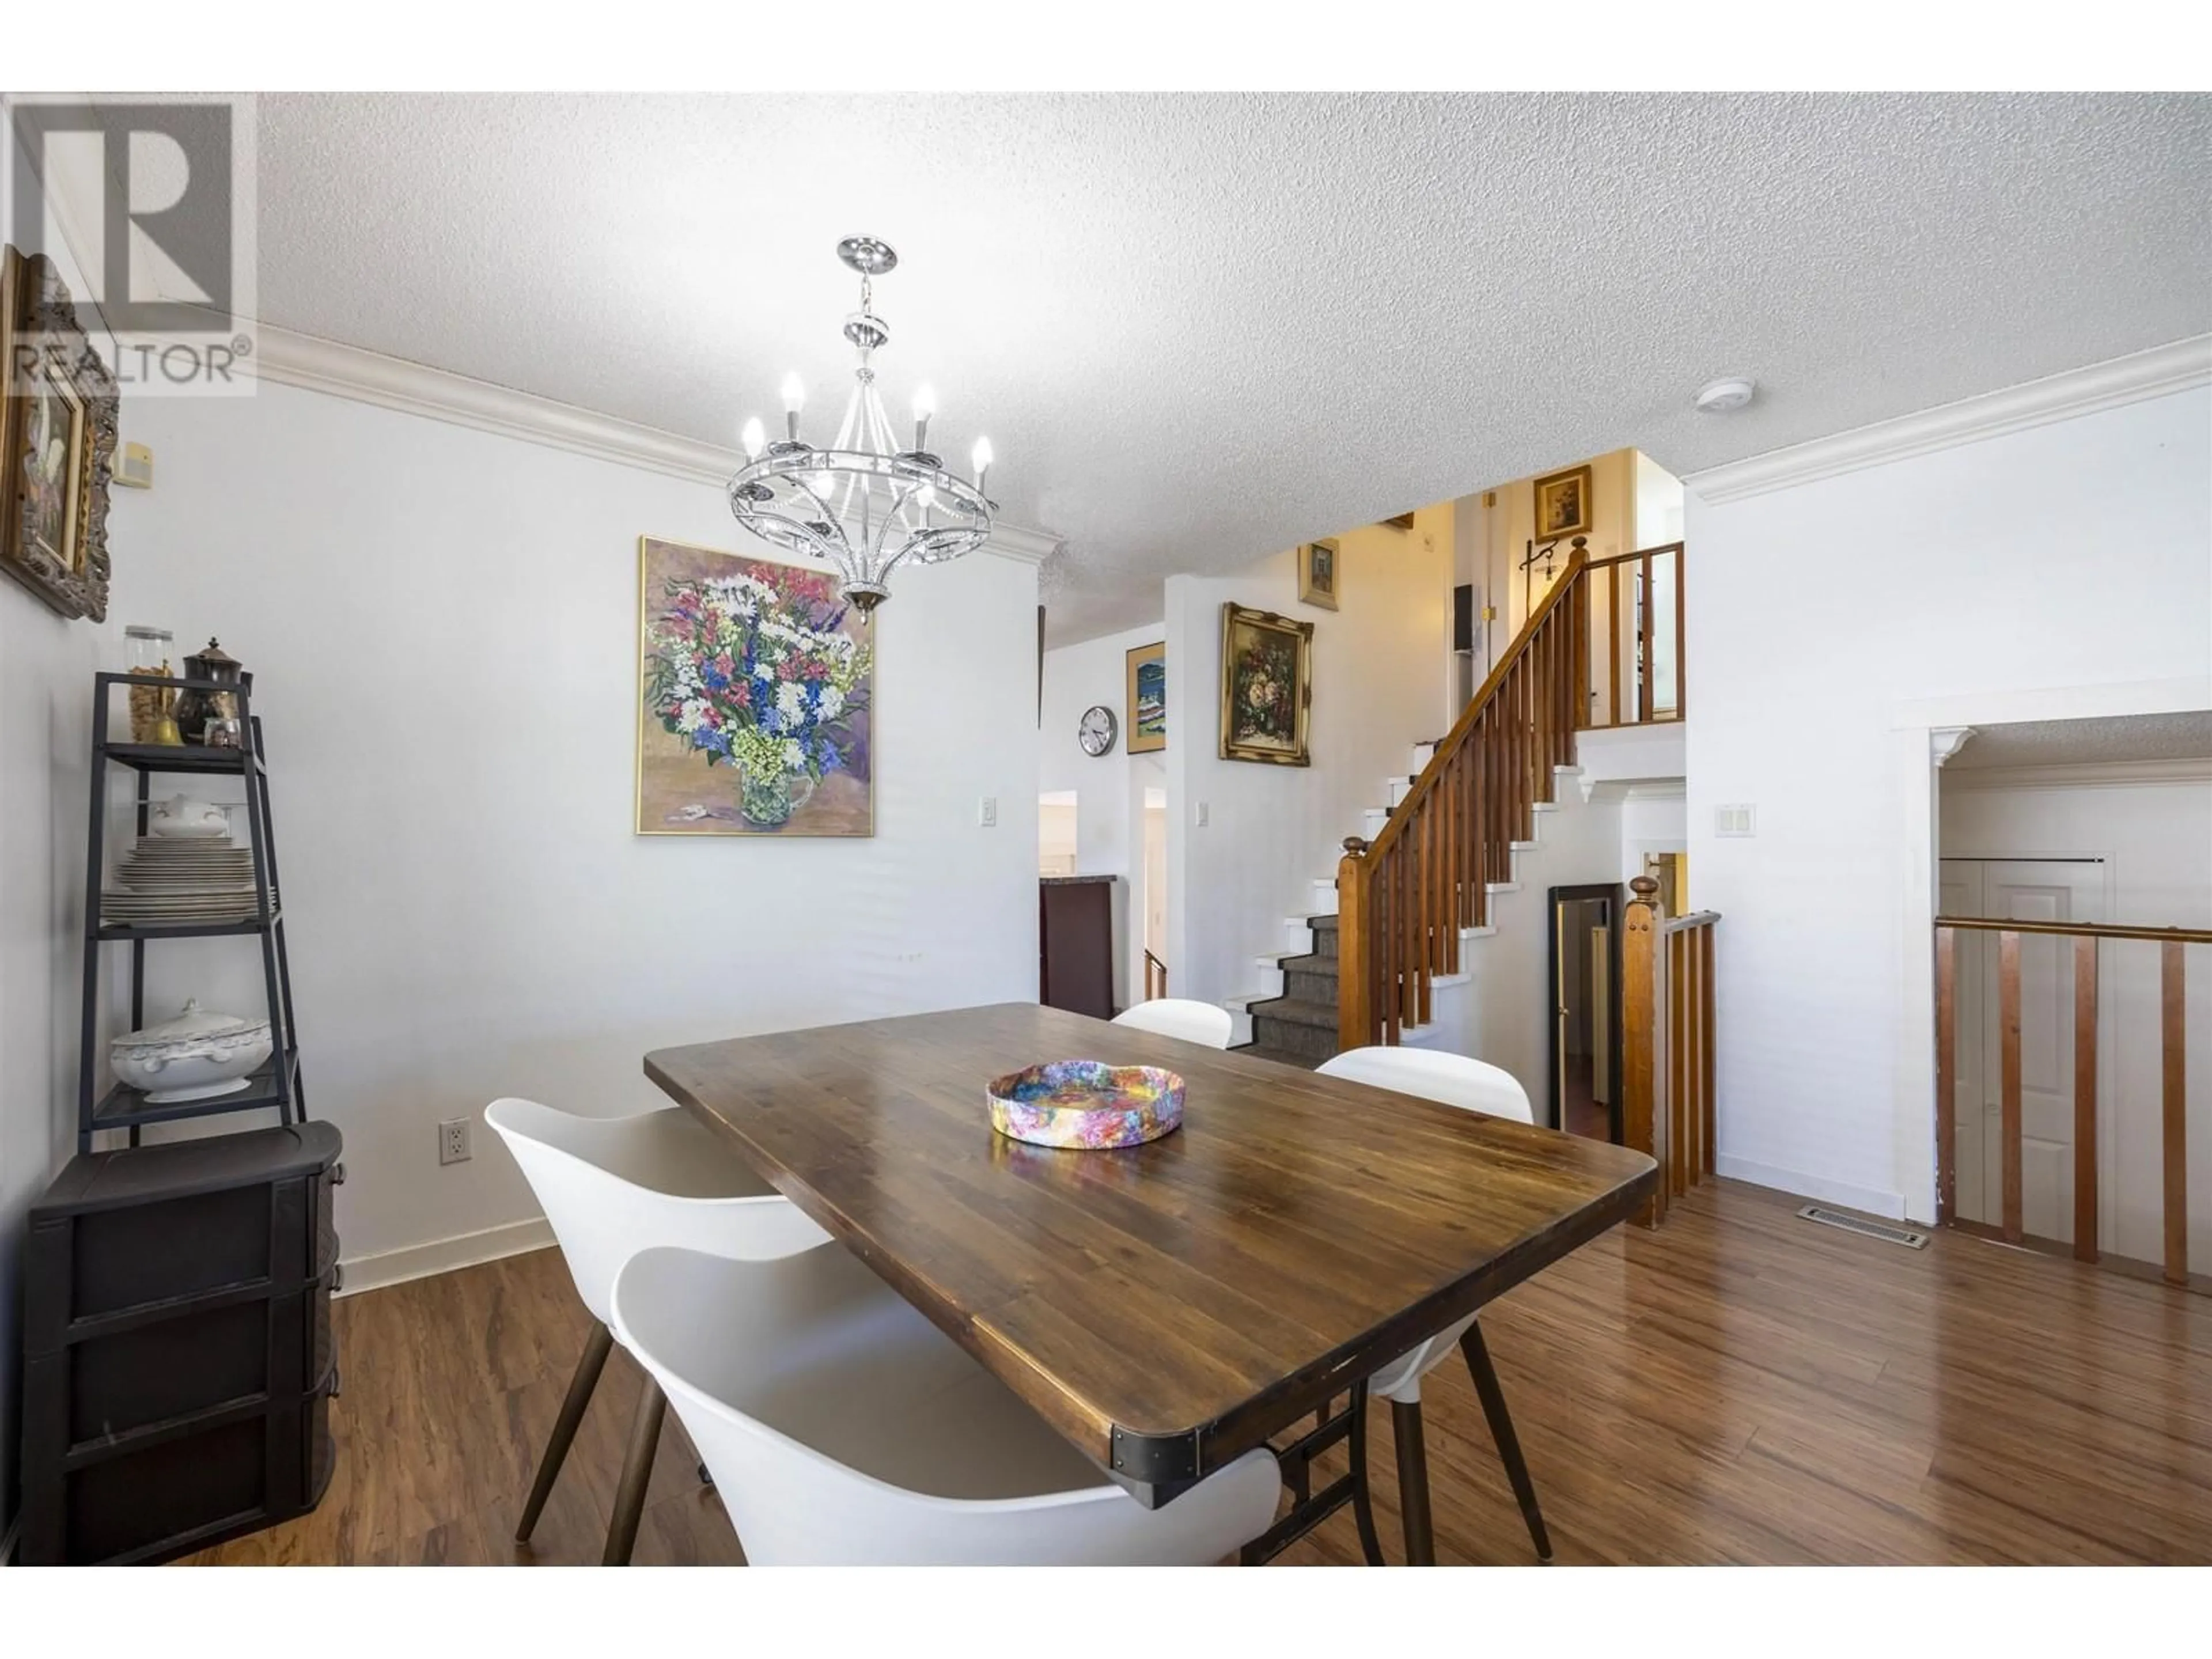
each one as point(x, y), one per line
point(1723, 396)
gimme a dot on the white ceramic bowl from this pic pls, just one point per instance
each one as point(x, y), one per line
point(195, 1056)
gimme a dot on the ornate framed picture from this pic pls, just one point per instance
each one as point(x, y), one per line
point(1147, 721)
point(57, 436)
point(1317, 570)
point(1563, 504)
point(756, 699)
point(1266, 686)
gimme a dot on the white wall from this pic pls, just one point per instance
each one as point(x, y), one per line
point(442, 625)
point(47, 666)
point(2005, 572)
point(2155, 840)
point(1109, 789)
point(1380, 683)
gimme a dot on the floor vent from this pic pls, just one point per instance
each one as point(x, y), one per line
point(1853, 1223)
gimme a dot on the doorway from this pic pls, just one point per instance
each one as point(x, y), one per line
point(1151, 971)
point(2022, 890)
point(1584, 976)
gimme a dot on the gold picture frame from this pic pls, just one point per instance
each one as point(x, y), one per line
point(700, 616)
point(1321, 569)
point(1144, 721)
point(1267, 687)
point(1563, 506)
point(56, 440)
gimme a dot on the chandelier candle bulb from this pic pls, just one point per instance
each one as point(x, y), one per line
point(794, 399)
point(925, 405)
point(755, 438)
point(982, 459)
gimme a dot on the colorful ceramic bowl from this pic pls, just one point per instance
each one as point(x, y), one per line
point(1086, 1103)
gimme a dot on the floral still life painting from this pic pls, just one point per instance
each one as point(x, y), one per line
point(758, 690)
point(1266, 686)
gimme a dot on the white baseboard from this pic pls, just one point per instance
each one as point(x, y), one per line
point(442, 1255)
point(1874, 1202)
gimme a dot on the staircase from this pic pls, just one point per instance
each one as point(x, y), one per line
point(1298, 1027)
point(1296, 1021)
point(1422, 883)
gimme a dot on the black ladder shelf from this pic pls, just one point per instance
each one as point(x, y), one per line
point(276, 1083)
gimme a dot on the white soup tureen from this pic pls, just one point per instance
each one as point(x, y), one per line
point(194, 1056)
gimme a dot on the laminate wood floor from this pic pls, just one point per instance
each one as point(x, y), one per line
point(1740, 1386)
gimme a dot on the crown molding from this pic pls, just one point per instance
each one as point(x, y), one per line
point(2091, 775)
point(312, 363)
point(2152, 373)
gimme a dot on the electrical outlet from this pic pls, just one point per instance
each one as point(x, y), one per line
point(454, 1142)
point(986, 812)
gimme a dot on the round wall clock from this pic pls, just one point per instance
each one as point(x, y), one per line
point(1096, 730)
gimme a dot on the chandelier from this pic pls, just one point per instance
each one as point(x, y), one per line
point(863, 504)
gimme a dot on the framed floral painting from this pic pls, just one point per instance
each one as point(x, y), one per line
point(57, 422)
point(1266, 686)
point(756, 698)
point(1563, 504)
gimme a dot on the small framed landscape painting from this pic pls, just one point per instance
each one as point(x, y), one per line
point(756, 699)
point(1146, 723)
point(1317, 569)
point(1563, 504)
point(1266, 686)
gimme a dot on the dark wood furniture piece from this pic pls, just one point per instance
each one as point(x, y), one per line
point(178, 1359)
point(1169, 1307)
point(277, 1083)
point(1075, 943)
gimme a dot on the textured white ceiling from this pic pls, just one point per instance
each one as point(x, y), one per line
point(1197, 329)
point(2088, 742)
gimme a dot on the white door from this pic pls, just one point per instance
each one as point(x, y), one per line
point(2017, 890)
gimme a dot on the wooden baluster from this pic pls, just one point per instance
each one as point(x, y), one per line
point(1681, 641)
point(1947, 1074)
point(2085, 1099)
point(1612, 619)
point(2009, 1074)
point(1640, 1121)
point(2172, 987)
point(1710, 1047)
point(1355, 1018)
point(1678, 1070)
point(1425, 912)
point(1643, 634)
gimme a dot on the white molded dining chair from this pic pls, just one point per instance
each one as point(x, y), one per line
point(1180, 1017)
point(842, 1428)
point(1473, 1085)
point(609, 1187)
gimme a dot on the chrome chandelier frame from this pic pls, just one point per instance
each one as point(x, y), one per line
point(863, 504)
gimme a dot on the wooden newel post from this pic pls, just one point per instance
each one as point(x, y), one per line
point(1642, 1126)
point(1355, 982)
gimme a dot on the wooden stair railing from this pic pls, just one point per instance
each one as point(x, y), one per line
point(1156, 976)
point(1403, 897)
point(2174, 1139)
point(1666, 1042)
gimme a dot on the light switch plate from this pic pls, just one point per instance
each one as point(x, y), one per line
point(986, 812)
point(1734, 821)
point(1204, 816)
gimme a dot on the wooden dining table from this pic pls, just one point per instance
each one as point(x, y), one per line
point(1166, 1307)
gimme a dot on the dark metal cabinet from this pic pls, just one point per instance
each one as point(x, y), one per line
point(177, 1358)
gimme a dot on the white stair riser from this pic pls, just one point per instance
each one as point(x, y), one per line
point(1324, 895)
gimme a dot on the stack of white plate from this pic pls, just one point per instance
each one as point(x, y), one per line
point(175, 879)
